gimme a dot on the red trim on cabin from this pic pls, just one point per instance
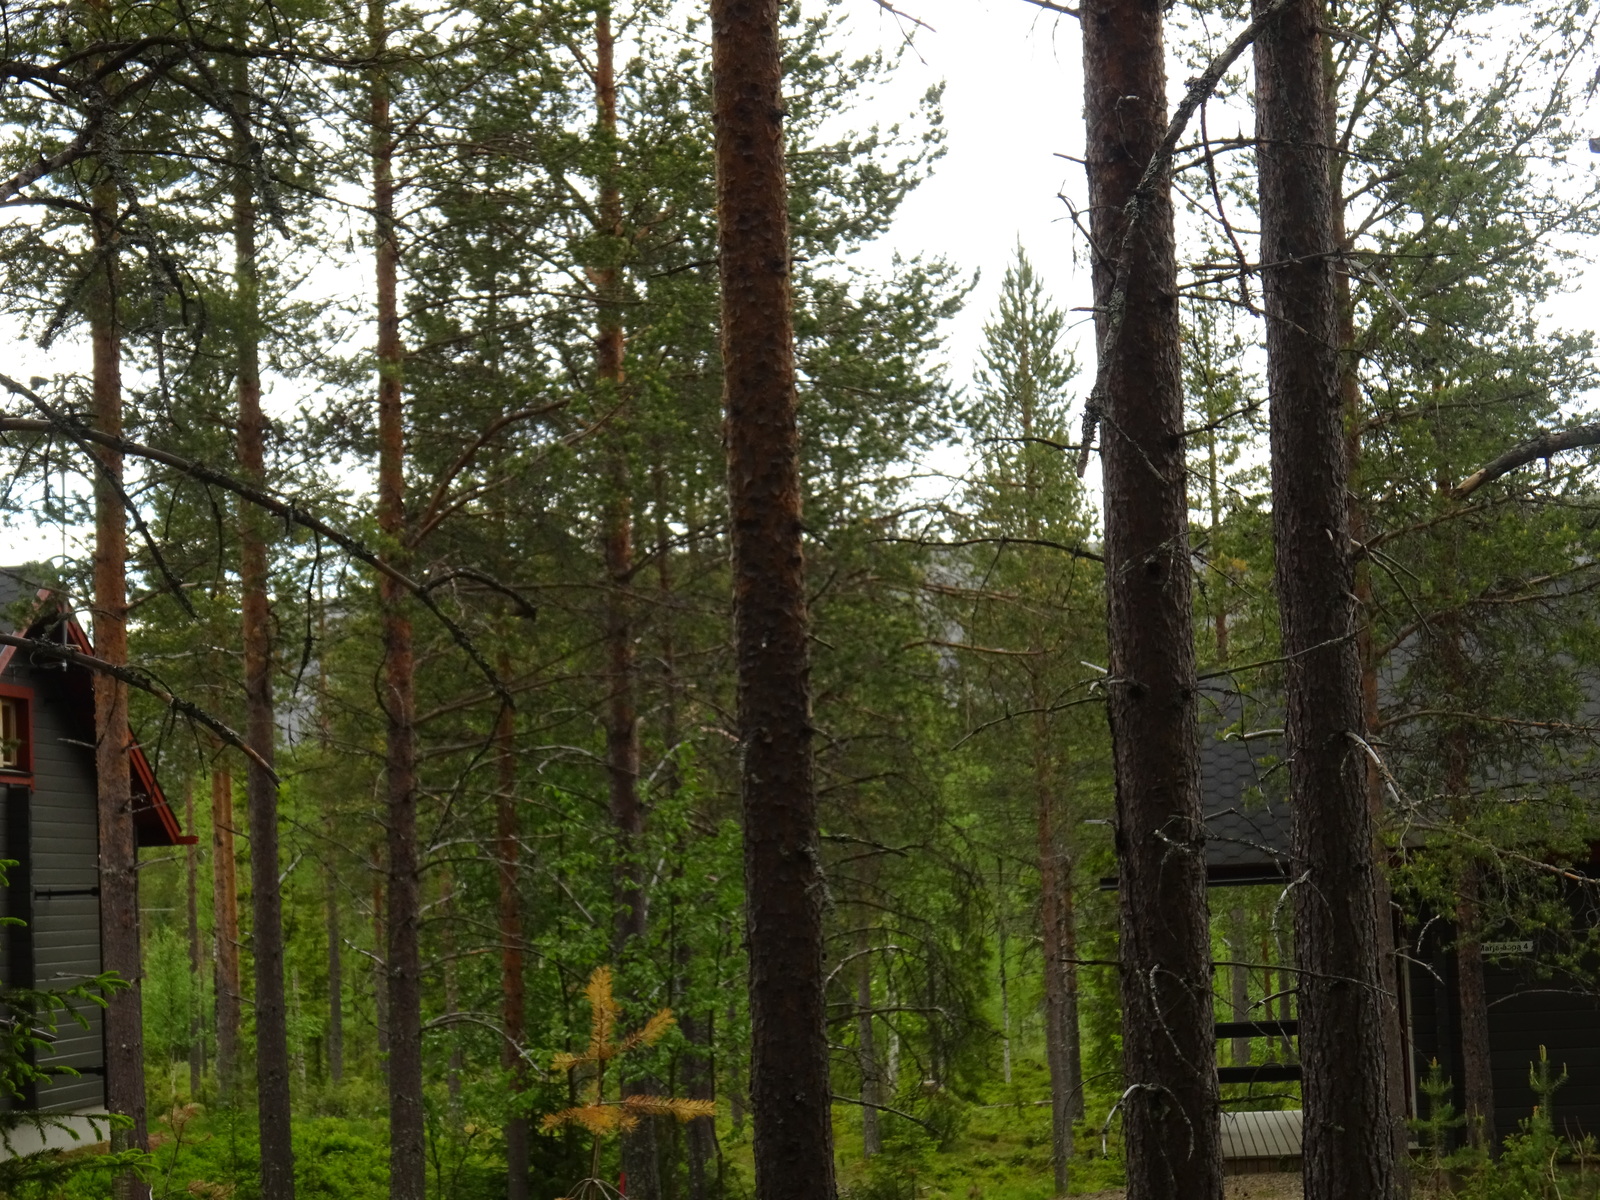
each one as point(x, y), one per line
point(21, 774)
point(155, 821)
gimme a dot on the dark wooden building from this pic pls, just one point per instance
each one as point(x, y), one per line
point(1530, 1004)
point(50, 828)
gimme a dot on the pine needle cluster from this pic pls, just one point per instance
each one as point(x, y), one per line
point(600, 1116)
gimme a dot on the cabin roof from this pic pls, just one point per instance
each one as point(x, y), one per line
point(31, 610)
point(1244, 790)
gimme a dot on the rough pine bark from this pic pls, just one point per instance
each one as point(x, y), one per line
point(790, 1091)
point(1393, 966)
point(1172, 1130)
point(225, 924)
point(407, 1134)
point(1349, 1143)
point(261, 789)
point(119, 854)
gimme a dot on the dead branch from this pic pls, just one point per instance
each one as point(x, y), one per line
point(1545, 445)
point(285, 510)
point(134, 677)
point(1133, 212)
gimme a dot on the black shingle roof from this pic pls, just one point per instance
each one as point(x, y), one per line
point(1244, 790)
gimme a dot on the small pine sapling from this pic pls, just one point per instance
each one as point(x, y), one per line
point(604, 1117)
point(1436, 1129)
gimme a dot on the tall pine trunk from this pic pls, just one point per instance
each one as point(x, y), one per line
point(1392, 965)
point(512, 992)
point(407, 1162)
point(261, 790)
point(335, 981)
point(119, 853)
point(1349, 1143)
point(191, 888)
point(225, 926)
point(1060, 1002)
point(789, 1086)
point(866, 1049)
point(1172, 1130)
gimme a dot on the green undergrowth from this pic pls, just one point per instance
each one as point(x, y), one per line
point(993, 1146)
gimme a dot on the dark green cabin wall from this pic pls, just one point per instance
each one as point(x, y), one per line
point(64, 930)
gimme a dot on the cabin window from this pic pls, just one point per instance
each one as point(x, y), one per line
point(13, 734)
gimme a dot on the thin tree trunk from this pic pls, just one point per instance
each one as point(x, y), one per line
point(407, 1161)
point(1240, 978)
point(225, 924)
point(191, 882)
point(119, 854)
point(1171, 1123)
point(1476, 1077)
point(1059, 1011)
point(789, 1085)
point(380, 970)
point(1005, 981)
point(261, 790)
point(512, 988)
point(699, 1083)
point(640, 1153)
point(1349, 1142)
point(1393, 966)
point(335, 982)
point(866, 1050)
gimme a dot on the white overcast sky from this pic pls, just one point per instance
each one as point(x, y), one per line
point(1013, 100)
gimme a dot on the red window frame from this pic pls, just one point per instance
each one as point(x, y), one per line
point(24, 697)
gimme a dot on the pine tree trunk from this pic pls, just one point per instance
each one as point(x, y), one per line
point(699, 1083)
point(512, 988)
point(1239, 976)
point(225, 924)
point(266, 902)
point(1393, 965)
point(1477, 1079)
point(380, 969)
point(335, 982)
point(866, 1050)
point(1005, 980)
point(640, 1153)
point(1060, 1016)
point(789, 1085)
point(407, 1134)
point(191, 888)
point(119, 854)
point(1172, 1132)
point(1349, 1143)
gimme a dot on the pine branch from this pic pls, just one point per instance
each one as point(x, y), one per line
point(1545, 445)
